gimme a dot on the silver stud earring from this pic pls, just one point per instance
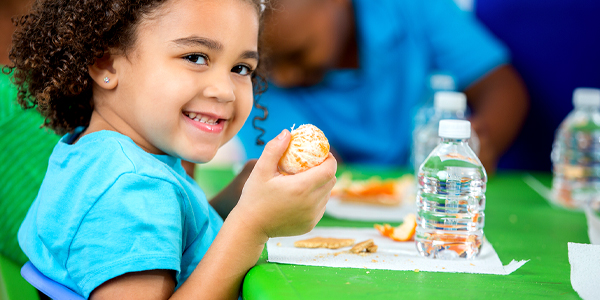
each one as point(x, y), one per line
point(106, 80)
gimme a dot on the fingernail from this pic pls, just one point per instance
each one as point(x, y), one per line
point(281, 135)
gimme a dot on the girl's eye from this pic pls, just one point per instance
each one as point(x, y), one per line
point(242, 70)
point(197, 59)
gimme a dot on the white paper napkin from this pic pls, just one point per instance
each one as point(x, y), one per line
point(390, 255)
point(593, 222)
point(368, 212)
point(585, 269)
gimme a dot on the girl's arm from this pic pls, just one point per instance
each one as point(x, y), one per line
point(271, 205)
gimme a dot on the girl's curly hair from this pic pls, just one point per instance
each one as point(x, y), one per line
point(56, 42)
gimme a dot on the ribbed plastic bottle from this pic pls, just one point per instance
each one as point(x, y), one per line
point(576, 153)
point(447, 105)
point(436, 82)
point(451, 197)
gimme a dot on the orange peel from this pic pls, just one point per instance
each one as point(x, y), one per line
point(308, 148)
point(404, 232)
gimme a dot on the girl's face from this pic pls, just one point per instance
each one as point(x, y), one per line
point(185, 89)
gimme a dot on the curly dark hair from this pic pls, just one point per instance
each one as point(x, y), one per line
point(56, 42)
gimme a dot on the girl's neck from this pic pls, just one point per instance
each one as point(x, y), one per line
point(108, 121)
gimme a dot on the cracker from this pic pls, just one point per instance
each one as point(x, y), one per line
point(321, 242)
point(362, 246)
point(372, 249)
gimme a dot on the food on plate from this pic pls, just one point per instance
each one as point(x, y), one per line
point(388, 192)
point(404, 232)
point(365, 246)
point(308, 148)
point(321, 242)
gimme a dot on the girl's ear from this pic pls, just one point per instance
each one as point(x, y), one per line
point(103, 72)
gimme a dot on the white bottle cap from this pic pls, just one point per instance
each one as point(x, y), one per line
point(447, 100)
point(455, 129)
point(442, 82)
point(586, 97)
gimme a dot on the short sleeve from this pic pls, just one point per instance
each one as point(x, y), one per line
point(136, 225)
point(460, 44)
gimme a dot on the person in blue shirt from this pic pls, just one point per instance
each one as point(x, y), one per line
point(356, 69)
point(135, 87)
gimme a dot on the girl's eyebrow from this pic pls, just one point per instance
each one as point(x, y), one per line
point(250, 55)
point(199, 41)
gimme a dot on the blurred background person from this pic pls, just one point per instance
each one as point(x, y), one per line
point(357, 70)
point(9, 9)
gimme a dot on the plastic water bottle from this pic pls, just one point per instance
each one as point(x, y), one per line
point(436, 82)
point(447, 105)
point(451, 197)
point(576, 153)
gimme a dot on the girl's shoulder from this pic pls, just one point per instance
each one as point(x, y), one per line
point(100, 162)
point(109, 153)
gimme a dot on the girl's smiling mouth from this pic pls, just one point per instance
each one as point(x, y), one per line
point(208, 123)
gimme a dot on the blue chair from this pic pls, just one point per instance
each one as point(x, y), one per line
point(46, 285)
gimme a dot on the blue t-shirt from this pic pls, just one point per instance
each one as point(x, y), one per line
point(366, 113)
point(106, 207)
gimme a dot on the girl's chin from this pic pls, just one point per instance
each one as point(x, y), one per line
point(199, 158)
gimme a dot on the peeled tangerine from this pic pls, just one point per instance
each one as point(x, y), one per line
point(308, 148)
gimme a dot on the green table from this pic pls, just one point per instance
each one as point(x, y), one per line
point(520, 224)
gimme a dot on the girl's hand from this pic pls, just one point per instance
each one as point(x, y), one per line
point(283, 205)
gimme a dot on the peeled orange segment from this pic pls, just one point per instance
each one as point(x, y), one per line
point(406, 231)
point(308, 148)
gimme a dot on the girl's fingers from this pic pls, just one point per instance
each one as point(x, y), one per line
point(272, 153)
point(321, 174)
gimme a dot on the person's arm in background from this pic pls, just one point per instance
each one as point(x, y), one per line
point(500, 103)
point(229, 196)
point(189, 167)
point(9, 9)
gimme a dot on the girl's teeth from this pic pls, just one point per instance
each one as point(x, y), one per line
point(204, 119)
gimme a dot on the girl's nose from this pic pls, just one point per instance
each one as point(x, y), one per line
point(220, 88)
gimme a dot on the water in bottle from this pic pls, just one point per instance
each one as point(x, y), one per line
point(451, 197)
point(447, 105)
point(576, 154)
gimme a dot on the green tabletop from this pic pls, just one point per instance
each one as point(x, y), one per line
point(519, 223)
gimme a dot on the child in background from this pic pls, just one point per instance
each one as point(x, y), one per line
point(351, 66)
point(137, 86)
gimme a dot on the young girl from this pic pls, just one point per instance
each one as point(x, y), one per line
point(138, 86)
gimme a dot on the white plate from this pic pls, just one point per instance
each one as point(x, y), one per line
point(368, 212)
